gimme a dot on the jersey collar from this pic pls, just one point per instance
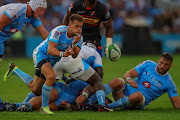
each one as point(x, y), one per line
point(158, 73)
point(89, 8)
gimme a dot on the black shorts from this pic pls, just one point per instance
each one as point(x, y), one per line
point(38, 68)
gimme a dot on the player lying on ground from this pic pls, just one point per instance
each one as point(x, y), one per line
point(151, 81)
point(77, 69)
point(63, 97)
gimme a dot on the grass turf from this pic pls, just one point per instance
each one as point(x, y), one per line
point(15, 90)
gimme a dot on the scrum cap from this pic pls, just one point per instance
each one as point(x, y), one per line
point(34, 4)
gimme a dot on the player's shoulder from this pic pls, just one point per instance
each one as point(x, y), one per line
point(77, 3)
point(61, 28)
point(19, 7)
point(147, 63)
point(101, 5)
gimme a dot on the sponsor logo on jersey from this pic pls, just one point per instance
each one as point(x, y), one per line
point(14, 17)
point(13, 30)
point(90, 20)
point(159, 83)
point(79, 69)
point(92, 13)
point(107, 14)
point(78, 12)
point(56, 35)
point(147, 84)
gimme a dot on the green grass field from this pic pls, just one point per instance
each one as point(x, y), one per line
point(15, 90)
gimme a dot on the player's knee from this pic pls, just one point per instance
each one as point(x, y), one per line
point(139, 97)
point(117, 85)
point(36, 91)
point(51, 77)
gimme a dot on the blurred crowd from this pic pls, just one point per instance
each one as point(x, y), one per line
point(160, 16)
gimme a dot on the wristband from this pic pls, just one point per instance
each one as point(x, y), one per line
point(85, 94)
point(108, 41)
point(61, 54)
point(128, 78)
point(74, 45)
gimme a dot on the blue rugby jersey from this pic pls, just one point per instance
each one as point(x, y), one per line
point(151, 83)
point(59, 36)
point(17, 14)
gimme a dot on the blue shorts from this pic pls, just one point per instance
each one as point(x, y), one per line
point(130, 90)
point(39, 56)
point(1, 48)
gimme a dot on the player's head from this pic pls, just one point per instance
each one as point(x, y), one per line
point(91, 1)
point(38, 7)
point(164, 63)
point(75, 24)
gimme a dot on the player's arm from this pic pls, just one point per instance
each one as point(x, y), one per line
point(52, 50)
point(66, 19)
point(44, 33)
point(89, 90)
point(176, 102)
point(129, 75)
point(4, 21)
point(75, 48)
point(109, 31)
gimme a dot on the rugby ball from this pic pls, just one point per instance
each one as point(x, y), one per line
point(113, 52)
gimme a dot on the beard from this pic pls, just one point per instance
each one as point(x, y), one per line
point(91, 1)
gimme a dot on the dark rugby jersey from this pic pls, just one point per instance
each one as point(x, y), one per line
point(92, 19)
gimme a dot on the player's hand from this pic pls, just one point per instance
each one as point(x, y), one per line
point(76, 38)
point(68, 52)
point(133, 83)
point(80, 99)
point(63, 104)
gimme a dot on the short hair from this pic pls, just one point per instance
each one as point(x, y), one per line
point(74, 17)
point(167, 56)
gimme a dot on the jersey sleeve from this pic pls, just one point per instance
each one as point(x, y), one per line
point(106, 15)
point(55, 35)
point(141, 67)
point(35, 22)
point(171, 90)
point(71, 9)
point(11, 12)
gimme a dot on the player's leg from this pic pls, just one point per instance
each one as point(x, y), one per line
point(92, 78)
point(129, 98)
point(48, 72)
point(116, 86)
point(1, 52)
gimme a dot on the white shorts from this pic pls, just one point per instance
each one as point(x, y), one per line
point(77, 68)
point(90, 56)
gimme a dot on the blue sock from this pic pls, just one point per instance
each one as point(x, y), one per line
point(93, 98)
point(29, 96)
point(123, 102)
point(46, 91)
point(100, 94)
point(23, 76)
point(26, 103)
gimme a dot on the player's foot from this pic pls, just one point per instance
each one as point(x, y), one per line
point(9, 72)
point(24, 108)
point(9, 106)
point(104, 108)
point(45, 110)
